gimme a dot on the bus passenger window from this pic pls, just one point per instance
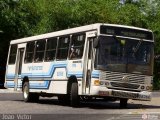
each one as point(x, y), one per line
point(29, 52)
point(73, 53)
point(77, 46)
point(40, 47)
point(63, 46)
point(51, 49)
point(12, 56)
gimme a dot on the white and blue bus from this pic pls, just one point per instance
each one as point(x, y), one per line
point(92, 61)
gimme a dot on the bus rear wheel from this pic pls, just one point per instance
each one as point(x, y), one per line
point(74, 97)
point(27, 96)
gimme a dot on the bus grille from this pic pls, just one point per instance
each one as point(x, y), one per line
point(118, 77)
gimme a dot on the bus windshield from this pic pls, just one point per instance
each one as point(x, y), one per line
point(124, 55)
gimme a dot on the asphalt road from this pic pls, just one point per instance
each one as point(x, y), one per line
point(13, 107)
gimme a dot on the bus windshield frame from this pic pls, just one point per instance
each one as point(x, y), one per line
point(124, 55)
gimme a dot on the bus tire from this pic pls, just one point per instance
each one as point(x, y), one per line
point(74, 97)
point(27, 96)
point(123, 102)
point(26, 93)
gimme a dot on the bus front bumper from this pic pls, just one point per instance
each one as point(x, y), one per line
point(144, 95)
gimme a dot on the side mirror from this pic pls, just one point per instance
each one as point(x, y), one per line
point(96, 43)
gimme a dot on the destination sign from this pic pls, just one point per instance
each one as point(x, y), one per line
point(126, 32)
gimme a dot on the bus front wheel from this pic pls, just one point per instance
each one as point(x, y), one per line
point(74, 97)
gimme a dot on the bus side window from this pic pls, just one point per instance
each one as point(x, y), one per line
point(51, 49)
point(29, 52)
point(12, 56)
point(63, 46)
point(77, 46)
point(39, 53)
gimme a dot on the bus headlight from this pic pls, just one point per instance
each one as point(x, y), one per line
point(107, 84)
point(102, 82)
point(142, 87)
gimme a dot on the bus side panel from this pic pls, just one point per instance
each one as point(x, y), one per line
point(75, 68)
point(53, 76)
point(94, 88)
point(10, 76)
point(59, 81)
point(26, 70)
point(35, 70)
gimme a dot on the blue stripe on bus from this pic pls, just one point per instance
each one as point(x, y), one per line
point(95, 74)
point(49, 74)
point(37, 85)
point(51, 71)
point(10, 84)
point(45, 85)
point(77, 74)
point(10, 76)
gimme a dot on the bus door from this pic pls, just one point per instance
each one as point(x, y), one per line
point(19, 61)
point(88, 58)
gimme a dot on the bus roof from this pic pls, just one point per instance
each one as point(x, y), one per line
point(71, 31)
